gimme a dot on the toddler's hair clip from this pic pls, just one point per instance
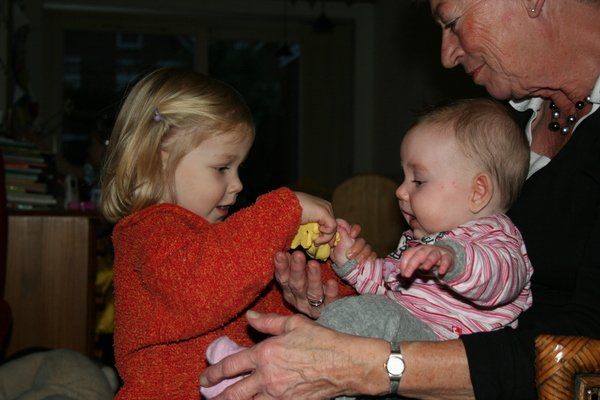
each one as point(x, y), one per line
point(157, 117)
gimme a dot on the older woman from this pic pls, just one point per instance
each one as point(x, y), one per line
point(544, 56)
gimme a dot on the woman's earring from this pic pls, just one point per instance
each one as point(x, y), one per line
point(532, 10)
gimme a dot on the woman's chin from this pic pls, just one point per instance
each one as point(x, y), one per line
point(498, 93)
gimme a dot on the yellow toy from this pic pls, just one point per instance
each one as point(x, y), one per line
point(306, 236)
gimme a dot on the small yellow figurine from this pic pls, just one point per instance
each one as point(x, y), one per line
point(306, 236)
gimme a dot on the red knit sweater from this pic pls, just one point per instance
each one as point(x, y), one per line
point(181, 282)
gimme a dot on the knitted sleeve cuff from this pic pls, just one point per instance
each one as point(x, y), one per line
point(459, 259)
point(345, 269)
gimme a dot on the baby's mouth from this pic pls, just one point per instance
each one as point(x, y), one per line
point(407, 216)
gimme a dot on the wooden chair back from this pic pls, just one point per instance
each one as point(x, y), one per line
point(370, 200)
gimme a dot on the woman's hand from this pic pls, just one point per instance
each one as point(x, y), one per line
point(302, 281)
point(305, 361)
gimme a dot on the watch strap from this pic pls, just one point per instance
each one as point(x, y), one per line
point(394, 382)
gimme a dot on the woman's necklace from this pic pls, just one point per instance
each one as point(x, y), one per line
point(571, 119)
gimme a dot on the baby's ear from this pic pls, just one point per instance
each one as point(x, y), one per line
point(482, 191)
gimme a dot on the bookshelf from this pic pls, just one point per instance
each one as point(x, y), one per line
point(29, 176)
point(51, 256)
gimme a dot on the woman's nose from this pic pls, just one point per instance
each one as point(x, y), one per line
point(451, 50)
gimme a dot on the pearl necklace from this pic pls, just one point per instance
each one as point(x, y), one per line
point(571, 119)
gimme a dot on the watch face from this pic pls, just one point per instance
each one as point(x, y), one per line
point(395, 365)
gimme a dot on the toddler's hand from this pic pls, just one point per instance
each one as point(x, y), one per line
point(306, 237)
point(315, 209)
point(425, 258)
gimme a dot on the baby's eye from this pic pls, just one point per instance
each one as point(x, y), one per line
point(418, 182)
point(222, 168)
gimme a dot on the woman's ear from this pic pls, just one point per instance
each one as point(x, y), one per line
point(534, 7)
point(481, 193)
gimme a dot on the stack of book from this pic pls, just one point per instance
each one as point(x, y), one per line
point(27, 176)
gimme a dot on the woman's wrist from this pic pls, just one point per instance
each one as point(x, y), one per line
point(424, 361)
point(367, 361)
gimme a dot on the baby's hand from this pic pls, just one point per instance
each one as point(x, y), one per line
point(425, 258)
point(360, 250)
point(339, 254)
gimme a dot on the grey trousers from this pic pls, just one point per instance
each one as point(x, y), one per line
point(374, 316)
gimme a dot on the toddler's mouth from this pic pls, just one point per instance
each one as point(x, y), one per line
point(223, 210)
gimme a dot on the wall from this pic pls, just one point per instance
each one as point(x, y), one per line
point(3, 57)
point(396, 61)
point(408, 76)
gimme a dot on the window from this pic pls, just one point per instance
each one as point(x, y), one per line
point(300, 93)
point(98, 66)
point(267, 76)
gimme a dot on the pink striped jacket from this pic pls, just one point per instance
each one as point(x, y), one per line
point(487, 288)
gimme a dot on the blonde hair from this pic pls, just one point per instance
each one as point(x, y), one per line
point(489, 135)
point(170, 110)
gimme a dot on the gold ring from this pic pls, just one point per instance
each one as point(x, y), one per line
point(316, 303)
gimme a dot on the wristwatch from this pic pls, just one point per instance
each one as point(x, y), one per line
point(395, 367)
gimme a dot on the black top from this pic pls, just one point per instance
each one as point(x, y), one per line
point(558, 213)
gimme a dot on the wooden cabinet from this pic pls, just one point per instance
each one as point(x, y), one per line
point(50, 281)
